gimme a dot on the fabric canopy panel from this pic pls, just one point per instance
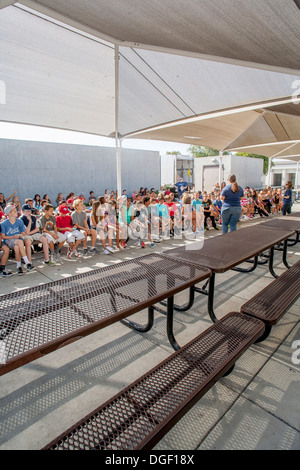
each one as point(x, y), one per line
point(258, 31)
point(62, 77)
point(55, 77)
point(278, 150)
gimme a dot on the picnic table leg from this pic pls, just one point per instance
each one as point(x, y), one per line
point(185, 307)
point(210, 293)
point(170, 315)
point(271, 259)
point(137, 326)
point(247, 270)
point(284, 254)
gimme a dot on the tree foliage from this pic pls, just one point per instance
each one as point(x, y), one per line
point(199, 151)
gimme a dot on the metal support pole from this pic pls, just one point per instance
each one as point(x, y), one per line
point(117, 136)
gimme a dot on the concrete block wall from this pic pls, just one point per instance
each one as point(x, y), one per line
point(50, 168)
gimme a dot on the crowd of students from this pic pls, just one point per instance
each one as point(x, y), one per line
point(145, 215)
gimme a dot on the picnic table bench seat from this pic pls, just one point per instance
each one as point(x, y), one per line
point(270, 304)
point(138, 416)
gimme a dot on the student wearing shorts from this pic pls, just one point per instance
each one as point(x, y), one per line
point(65, 225)
point(79, 219)
point(33, 234)
point(13, 232)
point(5, 254)
point(48, 227)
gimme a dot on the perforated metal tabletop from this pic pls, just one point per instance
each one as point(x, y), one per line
point(38, 320)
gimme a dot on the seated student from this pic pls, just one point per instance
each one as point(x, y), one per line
point(4, 201)
point(37, 202)
point(16, 202)
point(92, 197)
point(275, 202)
point(13, 232)
point(29, 201)
point(99, 224)
point(164, 217)
point(126, 210)
point(56, 240)
point(207, 203)
point(70, 203)
point(175, 217)
point(197, 213)
point(59, 198)
point(154, 218)
point(112, 222)
point(79, 219)
point(5, 254)
point(257, 204)
point(187, 213)
point(33, 234)
point(217, 204)
point(141, 223)
point(65, 225)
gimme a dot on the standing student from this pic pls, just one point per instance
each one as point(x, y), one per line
point(287, 199)
point(231, 209)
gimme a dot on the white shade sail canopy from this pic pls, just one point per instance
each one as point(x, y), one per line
point(219, 74)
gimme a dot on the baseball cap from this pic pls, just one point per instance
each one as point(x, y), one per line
point(9, 208)
point(63, 209)
point(70, 201)
point(26, 207)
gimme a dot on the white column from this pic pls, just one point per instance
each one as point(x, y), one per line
point(117, 137)
point(220, 167)
point(269, 179)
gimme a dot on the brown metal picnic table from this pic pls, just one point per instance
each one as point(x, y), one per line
point(41, 319)
point(225, 252)
point(287, 222)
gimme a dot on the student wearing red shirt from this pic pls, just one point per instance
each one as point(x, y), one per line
point(65, 225)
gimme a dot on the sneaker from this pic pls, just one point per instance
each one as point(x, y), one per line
point(85, 251)
point(20, 271)
point(152, 245)
point(106, 252)
point(50, 262)
point(216, 228)
point(29, 267)
point(93, 250)
point(70, 253)
point(142, 245)
point(75, 253)
point(4, 273)
point(123, 245)
point(110, 249)
point(206, 228)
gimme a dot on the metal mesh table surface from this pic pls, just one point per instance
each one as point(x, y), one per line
point(38, 320)
point(224, 252)
point(283, 223)
point(134, 418)
point(273, 301)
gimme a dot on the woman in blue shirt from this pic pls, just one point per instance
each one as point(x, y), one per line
point(231, 209)
point(287, 199)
